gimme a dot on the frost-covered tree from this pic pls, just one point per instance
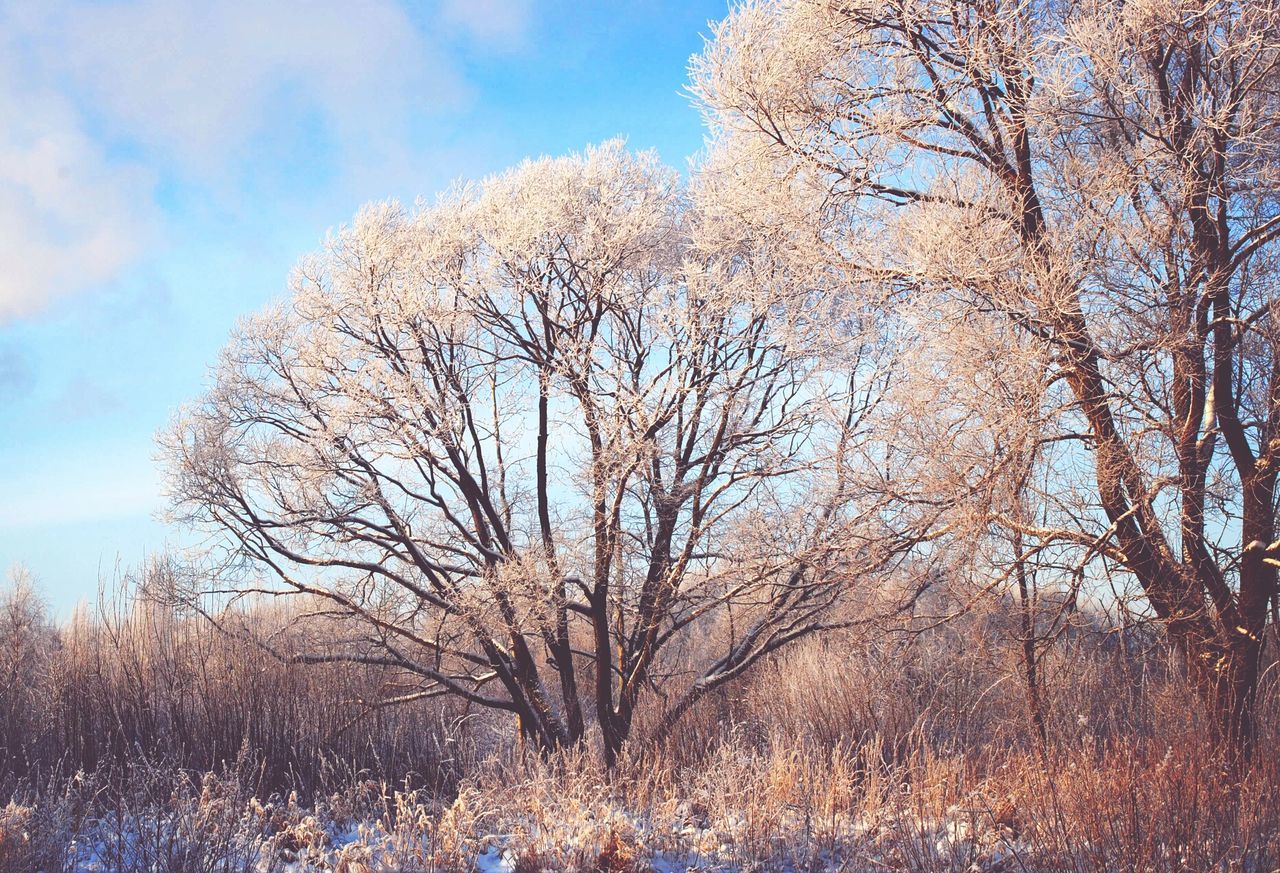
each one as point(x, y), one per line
point(549, 444)
point(1071, 207)
point(27, 641)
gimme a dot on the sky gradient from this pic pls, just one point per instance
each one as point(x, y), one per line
point(163, 163)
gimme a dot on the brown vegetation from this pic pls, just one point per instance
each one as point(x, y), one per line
point(912, 750)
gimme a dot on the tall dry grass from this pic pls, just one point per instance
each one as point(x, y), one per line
point(145, 739)
point(130, 681)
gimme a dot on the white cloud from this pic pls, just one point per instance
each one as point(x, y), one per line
point(199, 80)
point(498, 23)
point(102, 100)
point(69, 216)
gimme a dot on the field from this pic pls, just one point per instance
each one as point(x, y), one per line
point(892, 482)
point(135, 740)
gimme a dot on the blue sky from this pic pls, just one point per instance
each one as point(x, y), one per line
point(164, 162)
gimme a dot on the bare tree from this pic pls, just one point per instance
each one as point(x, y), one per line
point(26, 645)
point(531, 436)
point(1086, 186)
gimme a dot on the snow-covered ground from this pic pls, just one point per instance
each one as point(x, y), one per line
point(747, 815)
point(471, 835)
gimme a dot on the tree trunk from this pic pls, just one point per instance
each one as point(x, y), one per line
point(1035, 704)
point(1226, 676)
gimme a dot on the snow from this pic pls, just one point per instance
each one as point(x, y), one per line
point(310, 844)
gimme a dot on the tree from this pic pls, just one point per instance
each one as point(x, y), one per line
point(531, 438)
point(27, 642)
point(1084, 192)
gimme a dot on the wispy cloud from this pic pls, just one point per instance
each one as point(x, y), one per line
point(70, 216)
point(198, 80)
point(494, 23)
point(103, 101)
point(99, 484)
point(16, 377)
point(84, 398)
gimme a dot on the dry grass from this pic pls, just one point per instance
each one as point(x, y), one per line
point(780, 810)
point(132, 683)
point(784, 807)
point(146, 742)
